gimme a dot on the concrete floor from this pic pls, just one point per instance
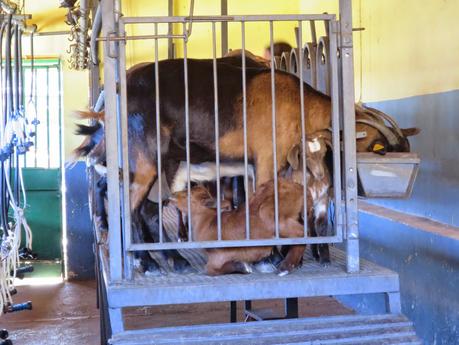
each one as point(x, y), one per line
point(66, 314)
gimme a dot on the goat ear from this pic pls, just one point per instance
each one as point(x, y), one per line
point(293, 157)
point(408, 132)
point(327, 137)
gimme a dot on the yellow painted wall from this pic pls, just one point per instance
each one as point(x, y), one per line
point(408, 48)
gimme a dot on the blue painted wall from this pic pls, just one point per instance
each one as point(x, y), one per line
point(428, 265)
point(80, 256)
point(436, 191)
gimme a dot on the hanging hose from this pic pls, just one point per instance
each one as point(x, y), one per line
point(14, 141)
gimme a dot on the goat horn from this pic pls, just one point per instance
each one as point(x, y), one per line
point(390, 136)
point(389, 119)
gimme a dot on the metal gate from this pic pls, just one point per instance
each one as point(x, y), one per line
point(121, 242)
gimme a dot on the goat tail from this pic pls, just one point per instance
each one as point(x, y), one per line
point(90, 115)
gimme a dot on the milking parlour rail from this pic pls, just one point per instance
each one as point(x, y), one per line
point(121, 286)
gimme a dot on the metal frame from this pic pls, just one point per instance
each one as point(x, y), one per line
point(122, 290)
point(330, 22)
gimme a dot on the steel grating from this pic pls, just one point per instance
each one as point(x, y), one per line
point(350, 329)
point(312, 279)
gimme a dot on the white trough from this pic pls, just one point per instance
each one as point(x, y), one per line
point(388, 176)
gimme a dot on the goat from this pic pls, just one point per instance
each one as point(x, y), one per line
point(235, 260)
point(318, 183)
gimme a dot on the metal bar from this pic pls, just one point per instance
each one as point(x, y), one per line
point(139, 37)
point(233, 311)
point(217, 132)
point(35, 138)
point(158, 141)
point(291, 308)
point(170, 43)
point(313, 32)
point(350, 173)
point(235, 18)
point(274, 134)
point(59, 99)
point(303, 130)
point(224, 33)
point(334, 94)
point(111, 137)
point(123, 127)
point(187, 134)
point(244, 122)
point(47, 117)
point(234, 243)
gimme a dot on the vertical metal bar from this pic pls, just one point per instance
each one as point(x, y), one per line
point(111, 137)
point(158, 140)
point(334, 93)
point(187, 132)
point(350, 174)
point(233, 311)
point(217, 132)
point(312, 24)
point(35, 138)
point(47, 117)
point(291, 308)
point(244, 123)
point(274, 135)
point(303, 130)
point(59, 100)
point(123, 149)
point(224, 24)
point(170, 43)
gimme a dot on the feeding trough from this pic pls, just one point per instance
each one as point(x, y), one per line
point(388, 176)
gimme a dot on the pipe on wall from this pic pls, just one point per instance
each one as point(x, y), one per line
point(82, 35)
point(8, 7)
point(96, 27)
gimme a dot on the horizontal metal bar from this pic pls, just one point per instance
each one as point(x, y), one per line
point(237, 243)
point(237, 18)
point(140, 37)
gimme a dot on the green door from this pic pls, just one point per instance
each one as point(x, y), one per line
point(42, 164)
point(43, 212)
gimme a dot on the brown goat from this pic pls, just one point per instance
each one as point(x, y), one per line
point(234, 260)
point(318, 187)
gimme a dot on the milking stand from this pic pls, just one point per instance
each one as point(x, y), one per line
point(347, 275)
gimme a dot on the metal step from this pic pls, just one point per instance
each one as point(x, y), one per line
point(312, 279)
point(384, 329)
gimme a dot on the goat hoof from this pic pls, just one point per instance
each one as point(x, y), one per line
point(325, 262)
point(283, 273)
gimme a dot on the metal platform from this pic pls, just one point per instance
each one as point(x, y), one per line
point(312, 279)
point(352, 329)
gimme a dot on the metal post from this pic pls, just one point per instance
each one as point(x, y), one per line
point(224, 12)
point(170, 42)
point(348, 111)
point(94, 72)
point(123, 149)
point(217, 132)
point(244, 121)
point(334, 93)
point(111, 137)
point(274, 130)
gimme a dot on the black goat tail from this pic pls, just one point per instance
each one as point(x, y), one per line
point(87, 130)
